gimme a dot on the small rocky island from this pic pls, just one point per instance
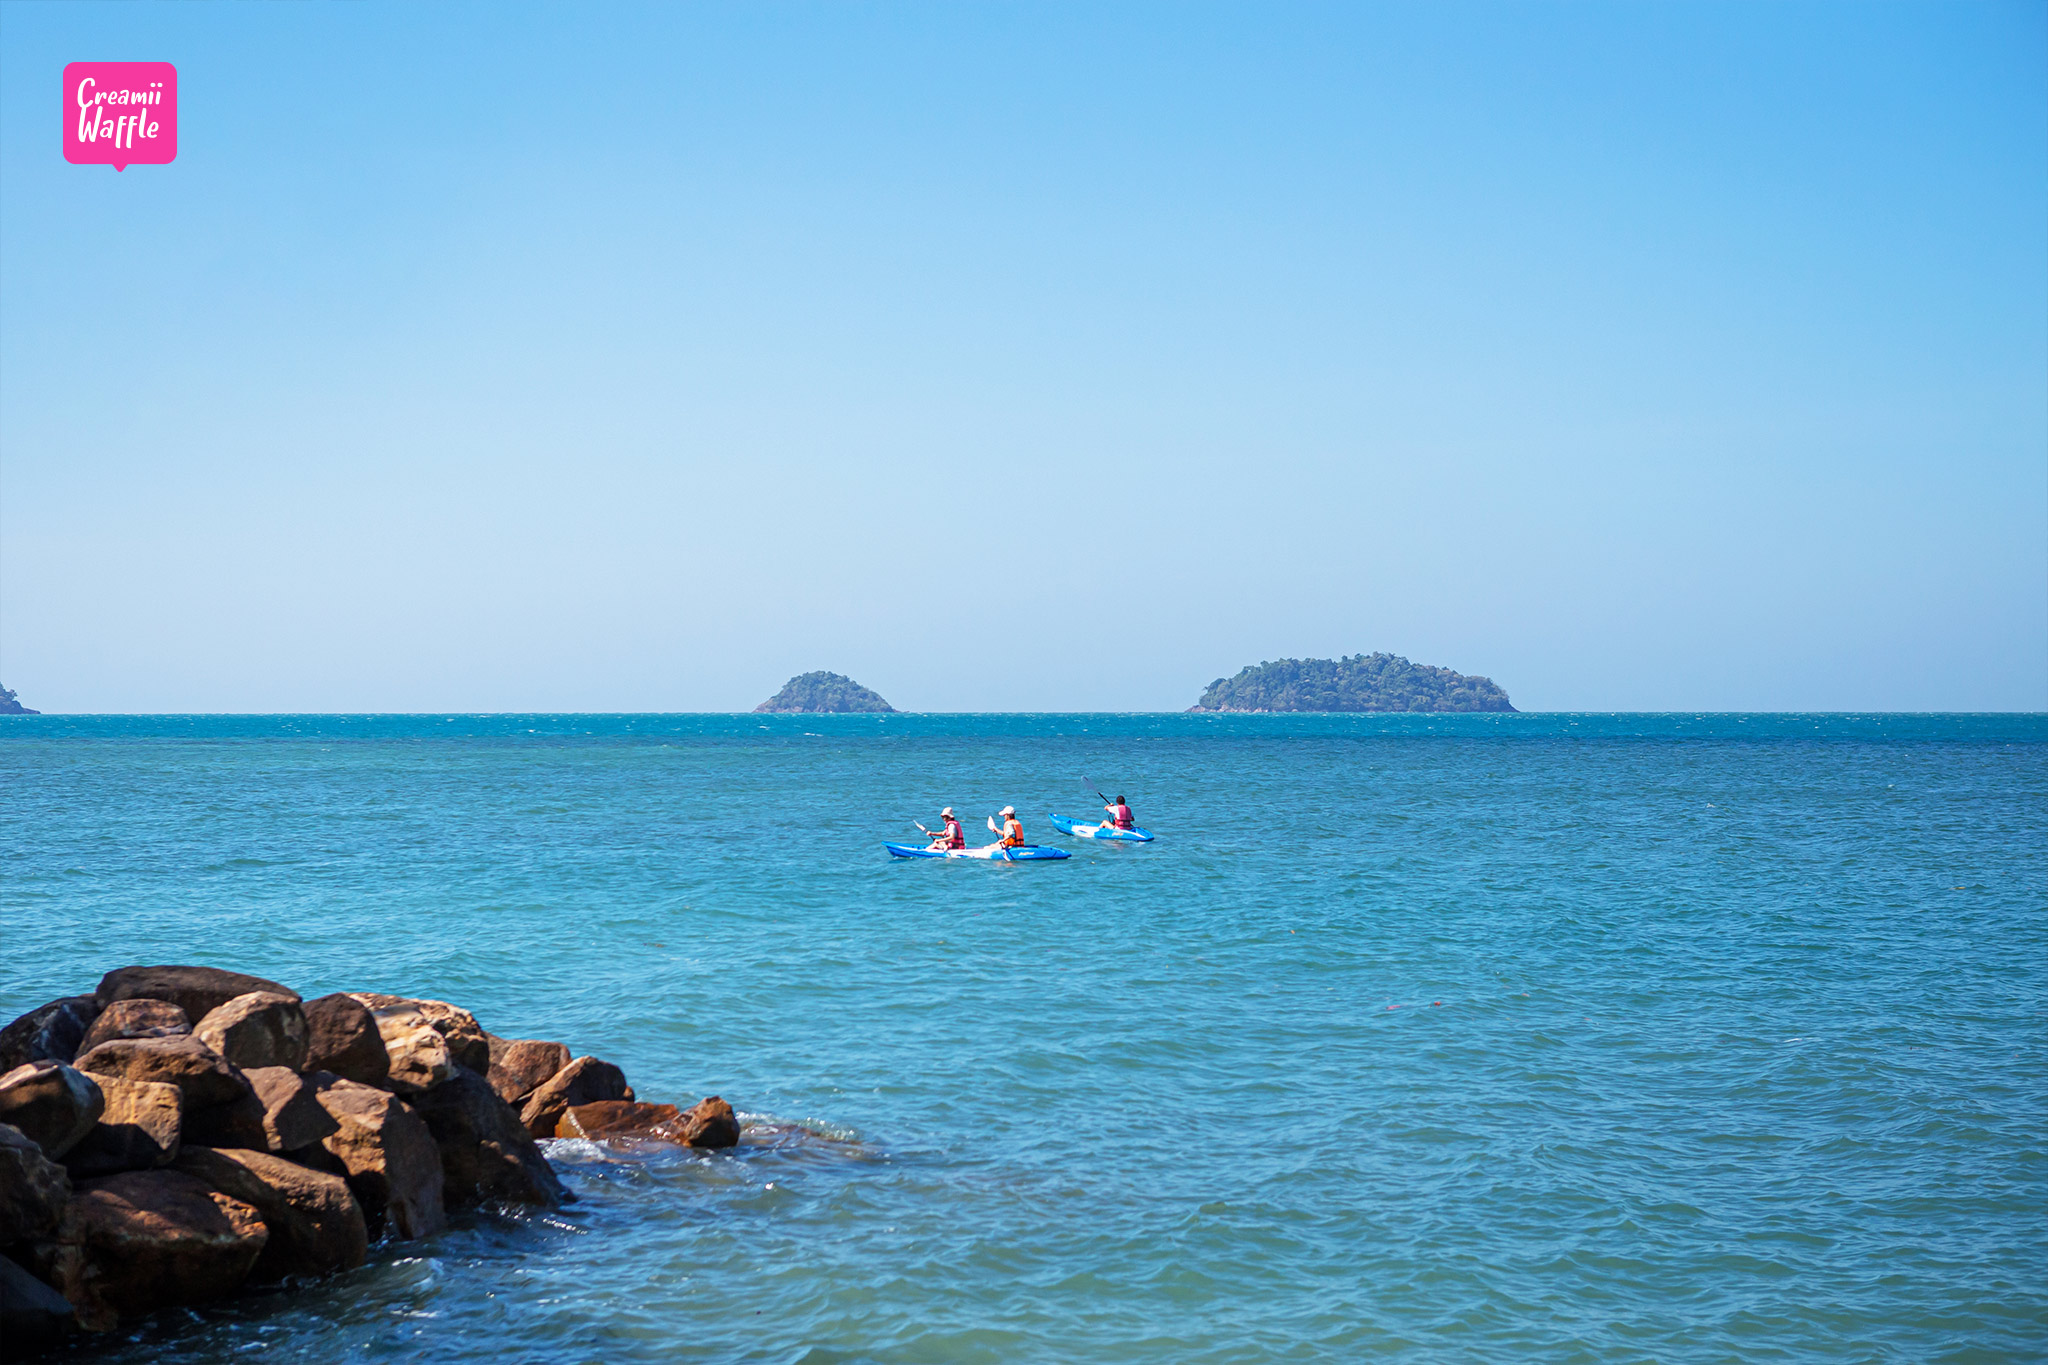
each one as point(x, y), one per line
point(1358, 682)
point(823, 691)
point(185, 1132)
point(11, 707)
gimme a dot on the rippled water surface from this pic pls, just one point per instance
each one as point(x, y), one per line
point(1556, 1038)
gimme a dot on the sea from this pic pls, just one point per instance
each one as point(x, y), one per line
point(1551, 1038)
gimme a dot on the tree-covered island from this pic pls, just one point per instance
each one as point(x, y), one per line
point(1359, 682)
point(822, 691)
point(10, 707)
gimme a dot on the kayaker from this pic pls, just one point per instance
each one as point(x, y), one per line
point(1013, 828)
point(951, 836)
point(1120, 816)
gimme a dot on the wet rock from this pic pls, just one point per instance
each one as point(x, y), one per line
point(33, 1188)
point(316, 1226)
point(342, 1037)
point(257, 1029)
point(202, 1074)
point(468, 1044)
point(708, 1123)
point(52, 1104)
point(616, 1119)
point(418, 1052)
point(519, 1066)
point(486, 1152)
point(138, 1130)
point(196, 990)
point(292, 1116)
point(583, 1081)
point(47, 1033)
point(135, 1019)
point(389, 1158)
point(33, 1317)
point(143, 1240)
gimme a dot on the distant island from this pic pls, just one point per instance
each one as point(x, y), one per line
point(10, 707)
point(1360, 682)
point(823, 691)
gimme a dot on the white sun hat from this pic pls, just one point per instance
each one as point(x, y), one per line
point(947, 811)
point(1007, 810)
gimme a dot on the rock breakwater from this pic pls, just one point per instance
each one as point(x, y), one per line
point(185, 1132)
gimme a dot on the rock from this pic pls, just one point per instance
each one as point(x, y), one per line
point(316, 1226)
point(486, 1152)
point(33, 1188)
point(519, 1066)
point(238, 1123)
point(257, 1029)
point(418, 1053)
point(143, 1240)
point(603, 1119)
point(52, 1104)
point(196, 990)
point(390, 1160)
point(468, 1044)
point(135, 1019)
point(181, 1060)
point(33, 1317)
point(342, 1037)
point(48, 1033)
point(138, 1130)
point(581, 1082)
point(292, 1116)
point(709, 1123)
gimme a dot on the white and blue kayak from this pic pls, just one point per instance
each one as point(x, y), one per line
point(1082, 830)
point(993, 853)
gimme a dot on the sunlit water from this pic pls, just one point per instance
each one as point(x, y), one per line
point(1412, 1038)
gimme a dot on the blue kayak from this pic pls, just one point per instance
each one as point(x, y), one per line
point(988, 853)
point(1082, 830)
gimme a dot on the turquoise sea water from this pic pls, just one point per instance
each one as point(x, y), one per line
point(1550, 1038)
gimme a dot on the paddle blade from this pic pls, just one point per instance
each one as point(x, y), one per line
point(993, 827)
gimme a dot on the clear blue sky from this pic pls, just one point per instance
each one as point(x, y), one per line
point(1641, 356)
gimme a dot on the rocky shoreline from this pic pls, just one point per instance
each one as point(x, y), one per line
point(185, 1132)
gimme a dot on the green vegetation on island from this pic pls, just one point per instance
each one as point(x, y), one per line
point(822, 691)
point(10, 707)
point(1359, 682)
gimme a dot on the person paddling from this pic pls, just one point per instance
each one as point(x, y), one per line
point(1120, 816)
point(951, 835)
point(1013, 829)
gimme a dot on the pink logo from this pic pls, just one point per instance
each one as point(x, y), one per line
point(120, 113)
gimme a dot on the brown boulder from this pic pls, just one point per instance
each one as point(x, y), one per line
point(418, 1052)
point(519, 1066)
point(468, 1044)
point(33, 1317)
point(711, 1123)
point(135, 1019)
point(708, 1123)
point(603, 1119)
point(581, 1082)
point(342, 1037)
point(238, 1123)
point(138, 1130)
point(196, 990)
point(384, 1150)
point(143, 1240)
point(48, 1033)
point(486, 1152)
point(292, 1116)
point(181, 1060)
point(33, 1188)
point(52, 1104)
point(316, 1226)
point(257, 1029)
